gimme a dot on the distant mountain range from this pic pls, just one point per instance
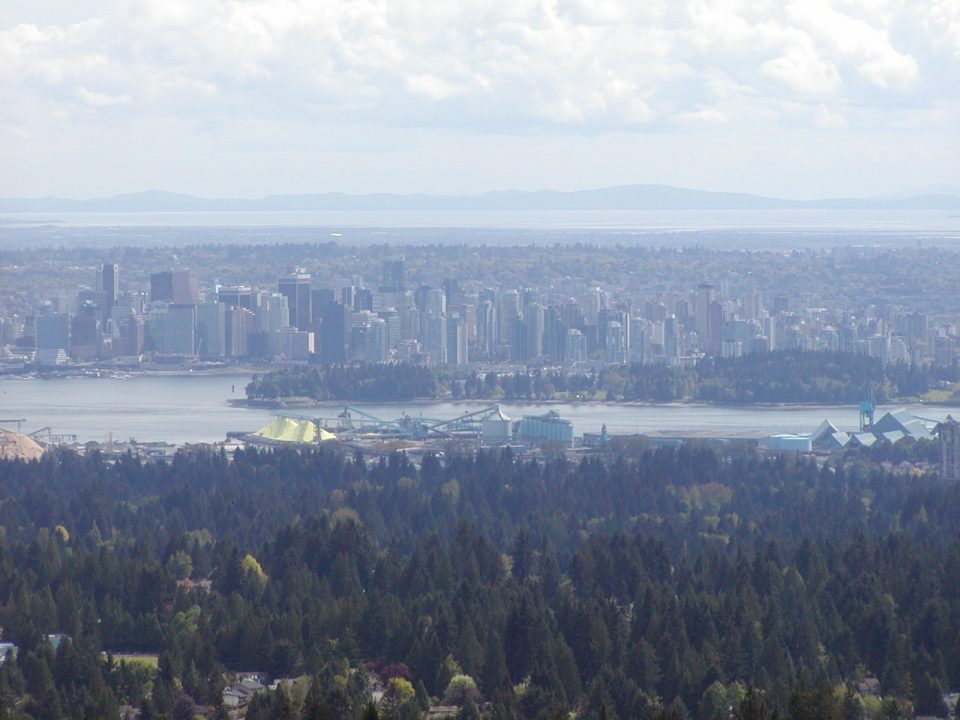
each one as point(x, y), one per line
point(621, 197)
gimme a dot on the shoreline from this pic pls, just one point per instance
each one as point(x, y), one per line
point(301, 402)
point(124, 373)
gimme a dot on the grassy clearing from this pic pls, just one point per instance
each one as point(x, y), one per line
point(937, 396)
point(144, 660)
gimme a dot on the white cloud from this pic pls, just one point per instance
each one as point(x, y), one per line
point(433, 87)
point(824, 117)
point(867, 46)
point(803, 69)
point(504, 67)
point(703, 115)
point(721, 85)
point(98, 99)
point(576, 63)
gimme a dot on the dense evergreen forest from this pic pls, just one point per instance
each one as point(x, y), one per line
point(675, 583)
point(786, 376)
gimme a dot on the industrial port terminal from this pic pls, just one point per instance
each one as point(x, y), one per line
point(360, 429)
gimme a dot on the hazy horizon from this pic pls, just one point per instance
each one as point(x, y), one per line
point(933, 189)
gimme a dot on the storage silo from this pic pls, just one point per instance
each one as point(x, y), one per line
point(496, 429)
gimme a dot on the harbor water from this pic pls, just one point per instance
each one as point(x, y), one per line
point(187, 408)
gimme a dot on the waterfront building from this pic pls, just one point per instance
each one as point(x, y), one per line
point(554, 334)
point(547, 427)
point(487, 337)
point(456, 340)
point(186, 288)
point(391, 316)
point(239, 322)
point(273, 312)
point(237, 296)
point(211, 329)
point(320, 297)
point(53, 331)
point(640, 331)
point(180, 330)
point(177, 287)
point(706, 296)
point(717, 317)
point(622, 341)
point(409, 322)
point(368, 336)
point(435, 338)
point(295, 286)
point(616, 342)
point(108, 282)
point(51, 357)
point(85, 332)
point(667, 335)
point(533, 333)
point(944, 350)
point(379, 339)
point(786, 442)
point(292, 345)
point(334, 329)
point(509, 317)
point(575, 348)
point(132, 334)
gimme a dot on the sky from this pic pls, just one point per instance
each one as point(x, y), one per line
point(245, 98)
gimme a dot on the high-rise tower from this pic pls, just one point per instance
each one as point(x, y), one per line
point(295, 286)
point(949, 432)
point(108, 282)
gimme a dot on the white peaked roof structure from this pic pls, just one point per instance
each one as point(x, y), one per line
point(891, 428)
point(863, 439)
point(824, 430)
point(906, 422)
point(834, 441)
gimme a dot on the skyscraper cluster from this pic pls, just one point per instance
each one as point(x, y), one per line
point(456, 322)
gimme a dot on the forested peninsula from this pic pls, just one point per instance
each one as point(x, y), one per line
point(787, 376)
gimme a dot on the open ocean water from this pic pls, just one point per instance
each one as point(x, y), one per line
point(758, 229)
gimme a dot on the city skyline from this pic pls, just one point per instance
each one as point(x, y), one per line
point(551, 320)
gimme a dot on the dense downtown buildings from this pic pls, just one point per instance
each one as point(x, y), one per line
point(305, 315)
